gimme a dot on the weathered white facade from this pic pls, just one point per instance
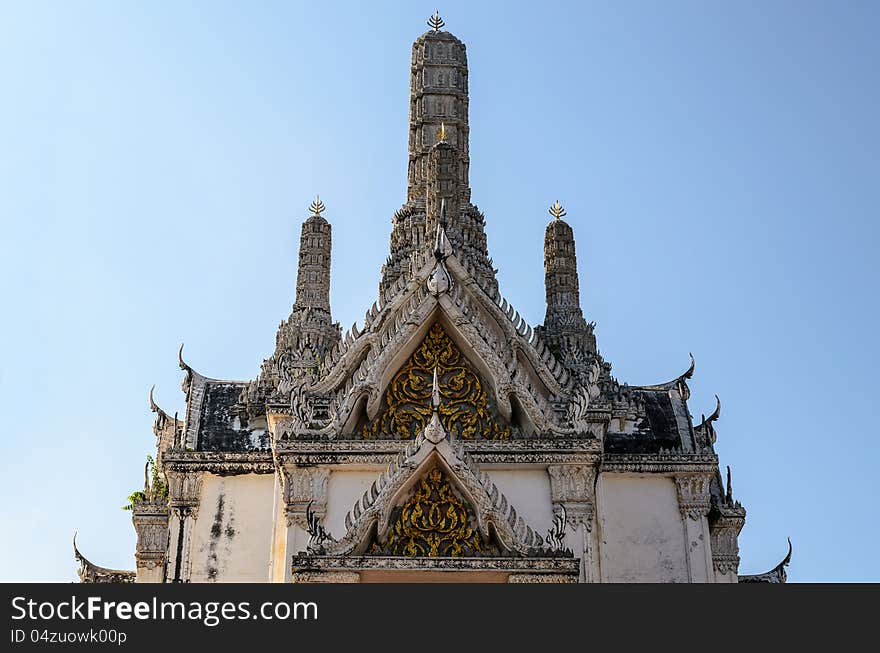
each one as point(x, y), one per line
point(444, 439)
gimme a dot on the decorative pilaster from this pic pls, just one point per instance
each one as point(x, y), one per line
point(693, 503)
point(302, 490)
point(693, 495)
point(725, 524)
point(151, 524)
point(184, 492)
point(304, 486)
point(574, 488)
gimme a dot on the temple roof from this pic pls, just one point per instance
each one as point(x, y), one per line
point(775, 575)
point(546, 381)
point(657, 426)
point(89, 572)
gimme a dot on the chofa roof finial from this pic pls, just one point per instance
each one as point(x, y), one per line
point(729, 494)
point(435, 22)
point(557, 211)
point(153, 405)
point(180, 360)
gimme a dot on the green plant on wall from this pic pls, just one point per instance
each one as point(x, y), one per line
point(158, 487)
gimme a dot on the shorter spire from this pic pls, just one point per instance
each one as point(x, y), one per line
point(435, 22)
point(313, 272)
point(557, 211)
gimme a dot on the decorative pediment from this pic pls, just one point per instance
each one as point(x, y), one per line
point(434, 501)
point(526, 387)
point(464, 411)
point(433, 522)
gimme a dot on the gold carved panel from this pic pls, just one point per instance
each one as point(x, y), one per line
point(434, 522)
point(464, 405)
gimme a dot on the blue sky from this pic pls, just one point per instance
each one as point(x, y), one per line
point(718, 161)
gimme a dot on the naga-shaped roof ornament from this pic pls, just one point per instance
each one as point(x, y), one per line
point(89, 572)
point(775, 575)
point(153, 406)
point(435, 22)
point(681, 382)
point(181, 362)
point(161, 416)
point(317, 533)
point(556, 534)
point(706, 424)
point(186, 384)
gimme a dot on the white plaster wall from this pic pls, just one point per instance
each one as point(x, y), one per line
point(641, 530)
point(279, 566)
point(528, 491)
point(344, 487)
point(232, 535)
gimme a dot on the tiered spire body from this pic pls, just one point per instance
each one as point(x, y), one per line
point(564, 326)
point(309, 331)
point(439, 163)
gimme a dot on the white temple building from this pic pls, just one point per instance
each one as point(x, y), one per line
point(444, 438)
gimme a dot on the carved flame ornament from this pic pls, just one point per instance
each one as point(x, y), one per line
point(317, 207)
point(557, 211)
point(464, 406)
point(435, 22)
point(434, 522)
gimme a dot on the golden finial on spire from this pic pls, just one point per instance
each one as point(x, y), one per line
point(435, 22)
point(441, 133)
point(317, 207)
point(557, 211)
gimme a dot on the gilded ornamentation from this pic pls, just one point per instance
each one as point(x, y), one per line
point(435, 22)
point(317, 207)
point(464, 405)
point(434, 522)
point(557, 211)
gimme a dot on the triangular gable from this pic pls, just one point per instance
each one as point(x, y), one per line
point(434, 521)
point(465, 409)
point(374, 518)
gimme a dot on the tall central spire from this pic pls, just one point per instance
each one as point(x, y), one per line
point(438, 100)
point(439, 163)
